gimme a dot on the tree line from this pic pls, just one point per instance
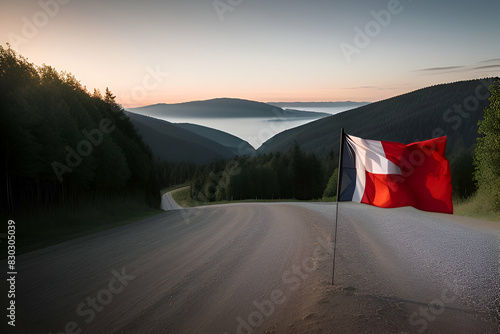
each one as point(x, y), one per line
point(293, 174)
point(62, 145)
point(301, 175)
point(452, 109)
point(487, 154)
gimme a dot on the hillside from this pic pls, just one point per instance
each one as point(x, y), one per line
point(448, 109)
point(64, 147)
point(221, 108)
point(236, 145)
point(175, 144)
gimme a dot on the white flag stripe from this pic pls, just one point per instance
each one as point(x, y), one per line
point(370, 156)
point(359, 188)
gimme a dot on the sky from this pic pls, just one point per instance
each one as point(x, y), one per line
point(150, 52)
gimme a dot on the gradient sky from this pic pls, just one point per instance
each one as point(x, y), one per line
point(264, 50)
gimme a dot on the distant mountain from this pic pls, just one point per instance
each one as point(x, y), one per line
point(448, 109)
point(175, 144)
point(222, 108)
point(236, 145)
point(344, 104)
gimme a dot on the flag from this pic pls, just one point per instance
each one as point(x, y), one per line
point(389, 175)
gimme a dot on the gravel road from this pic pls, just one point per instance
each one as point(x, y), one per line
point(266, 268)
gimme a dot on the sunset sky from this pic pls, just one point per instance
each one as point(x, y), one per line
point(266, 50)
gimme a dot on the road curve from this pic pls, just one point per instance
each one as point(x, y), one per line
point(168, 203)
point(257, 268)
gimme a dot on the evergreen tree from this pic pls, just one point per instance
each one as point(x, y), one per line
point(331, 187)
point(487, 157)
point(54, 147)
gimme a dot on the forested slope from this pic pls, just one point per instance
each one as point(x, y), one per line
point(62, 145)
point(236, 145)
point(449, 109)
point(172, 143)
point(221, 108)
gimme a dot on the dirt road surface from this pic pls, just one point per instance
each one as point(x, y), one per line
point(267, 268)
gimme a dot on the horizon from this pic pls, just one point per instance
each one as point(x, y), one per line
point(286, 51)
point(149, 187)
point(238, 98)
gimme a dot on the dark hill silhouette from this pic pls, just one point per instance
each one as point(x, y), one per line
point(448, 109)
point(236, 145)
point(175, 144)
point(222, 108)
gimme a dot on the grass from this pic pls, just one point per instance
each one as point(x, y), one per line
point(43, 229)
point(178, 186)
point(473, 207)
point(49, 227)
point(477, 207)
point(183, 198)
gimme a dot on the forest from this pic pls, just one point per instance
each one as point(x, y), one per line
point(487, 157)
point(467, 112)
point(63, 146)
point(293, 174)
point(451, 109)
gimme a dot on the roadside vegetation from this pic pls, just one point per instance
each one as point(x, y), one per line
point(174, 187)
point(50, 227)
point(297, 174)
point(184, 199)
point(485, 203)
point(73, 162)
point(291, 175)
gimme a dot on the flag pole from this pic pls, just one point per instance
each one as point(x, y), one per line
point(338, 196)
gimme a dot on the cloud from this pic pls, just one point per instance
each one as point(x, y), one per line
point(440, 68)
point(497, 60)
point(485, 64)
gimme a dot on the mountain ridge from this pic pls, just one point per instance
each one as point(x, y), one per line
point(171, 143)
point(404, 118)
point(235, 144)
point(222, 108)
